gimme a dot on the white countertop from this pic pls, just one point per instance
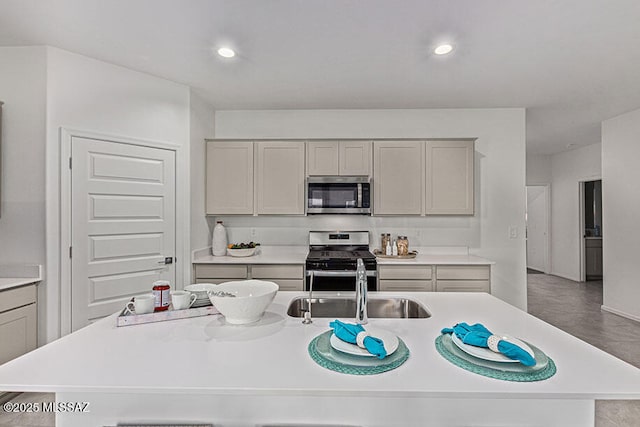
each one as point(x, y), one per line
point(13, 282)
point(15, 275)
point(205, 356)
point(427, 259)
point(264, 255)
point(298, 255)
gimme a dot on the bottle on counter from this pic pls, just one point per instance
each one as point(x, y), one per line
point(219, 240)
point(394, 248)
point(388, 250)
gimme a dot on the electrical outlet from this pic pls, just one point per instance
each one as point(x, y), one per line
point(513, 232)
point(253, 233)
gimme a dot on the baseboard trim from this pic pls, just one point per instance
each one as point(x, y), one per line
point(620, 313)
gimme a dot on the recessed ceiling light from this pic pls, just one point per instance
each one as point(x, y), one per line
point(443, 49)
point(226, 52)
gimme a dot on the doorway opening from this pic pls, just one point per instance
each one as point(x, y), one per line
point(537, 229)
point(591, 230)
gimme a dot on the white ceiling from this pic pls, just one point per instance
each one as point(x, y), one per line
point(571, 63)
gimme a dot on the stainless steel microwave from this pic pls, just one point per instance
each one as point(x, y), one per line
point(339, 195)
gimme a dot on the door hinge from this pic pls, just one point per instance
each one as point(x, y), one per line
point(70, 251)
point(69, 162)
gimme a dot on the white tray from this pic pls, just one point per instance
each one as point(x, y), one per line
point(126, 318)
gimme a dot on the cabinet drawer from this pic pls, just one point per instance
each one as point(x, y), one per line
point(17, 297)
point(277, 272)
point(405, 272)
point(289, 284)
point(462, 286)
point(18, 332)
point(463, 272)
point(227, 271)
point(406, 285)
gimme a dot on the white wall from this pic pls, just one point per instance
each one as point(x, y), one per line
point(202, 127)
point(567, 170)
point(90, 95)
point(538, 169)
point(621, 208)
point(22, 219)
point(500, 180)
point(22, 197)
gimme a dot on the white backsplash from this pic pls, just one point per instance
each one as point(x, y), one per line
point(421, 231)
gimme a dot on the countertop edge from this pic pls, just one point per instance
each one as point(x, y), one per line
point(297, 255)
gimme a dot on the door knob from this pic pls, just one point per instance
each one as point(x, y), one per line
point(167, 260)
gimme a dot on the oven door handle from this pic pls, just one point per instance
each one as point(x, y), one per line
point(323, 273)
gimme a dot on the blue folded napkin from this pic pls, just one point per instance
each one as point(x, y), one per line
point(478, 335)
point(348, 332)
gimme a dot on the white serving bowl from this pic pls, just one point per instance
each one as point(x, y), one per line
point(241, 252)
point(252, 297)
point(200, 289)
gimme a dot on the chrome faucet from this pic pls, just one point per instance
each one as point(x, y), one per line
point(361, 293)
point(307, 314)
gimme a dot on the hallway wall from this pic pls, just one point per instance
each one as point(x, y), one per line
point(567, 170)
point(621, 204)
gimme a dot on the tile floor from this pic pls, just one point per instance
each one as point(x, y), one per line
point(571, 306)
point(574, 307)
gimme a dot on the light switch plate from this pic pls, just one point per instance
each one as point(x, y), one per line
point(513, 232)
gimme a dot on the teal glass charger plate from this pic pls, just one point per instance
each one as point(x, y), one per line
point(326, 356)
point(543, 369)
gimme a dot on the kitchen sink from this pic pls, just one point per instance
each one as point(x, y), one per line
point(382, 308)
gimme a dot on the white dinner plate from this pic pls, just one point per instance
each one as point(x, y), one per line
point(486, 354)
point(389, 339)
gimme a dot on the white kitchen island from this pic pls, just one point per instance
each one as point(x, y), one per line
point(202, 370)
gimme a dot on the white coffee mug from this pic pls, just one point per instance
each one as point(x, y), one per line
point(141, 304)
point(182, 299)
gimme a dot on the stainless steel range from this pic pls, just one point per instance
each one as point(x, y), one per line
point(332, 260)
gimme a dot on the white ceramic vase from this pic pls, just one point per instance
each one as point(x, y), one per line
point(219, 240)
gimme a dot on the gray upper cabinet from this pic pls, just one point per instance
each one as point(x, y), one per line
point(410, 177)
point(322, 158)
point(280, 177)
point(354, 158)
point(338, 158)
point(449, 177)
point(229, 185)
point(398, 177)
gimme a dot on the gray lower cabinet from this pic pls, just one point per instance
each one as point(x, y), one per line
point(416, 278)
point(18, 322)
point(463, 278)
point(288, 276)
point(593, 257)
point(439, 278)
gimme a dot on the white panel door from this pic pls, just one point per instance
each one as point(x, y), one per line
point(537, 226)
point(122, 224)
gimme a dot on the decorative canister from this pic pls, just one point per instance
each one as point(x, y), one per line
point(403, 245)
point(219, 240)
point(385, 239)
point(162, 292)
